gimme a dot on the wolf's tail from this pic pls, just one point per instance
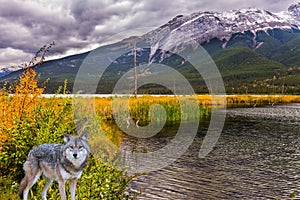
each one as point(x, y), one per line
point(23, 185)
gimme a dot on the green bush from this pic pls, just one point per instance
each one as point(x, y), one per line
point(103, 181)
point(28, 120)
point(45, 127)
point(99, 180)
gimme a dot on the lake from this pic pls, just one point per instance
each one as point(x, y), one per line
point(256, 157)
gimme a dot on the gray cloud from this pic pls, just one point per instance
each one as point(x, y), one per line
point(79, 25)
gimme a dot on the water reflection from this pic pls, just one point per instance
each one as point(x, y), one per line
point(257, 157)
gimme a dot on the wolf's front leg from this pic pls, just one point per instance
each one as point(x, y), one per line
point(62, 189)
point(73, 183)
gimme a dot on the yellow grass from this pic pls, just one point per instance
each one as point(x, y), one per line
point(139, 108)
point(262, 99)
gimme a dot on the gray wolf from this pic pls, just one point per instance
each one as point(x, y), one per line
point(60, 162)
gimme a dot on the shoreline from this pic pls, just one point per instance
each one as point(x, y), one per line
point(204, 99)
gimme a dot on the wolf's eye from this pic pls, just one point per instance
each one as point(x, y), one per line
point(80, 147)
point(71, 147)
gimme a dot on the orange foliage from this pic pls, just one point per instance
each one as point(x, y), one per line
point(21, 105)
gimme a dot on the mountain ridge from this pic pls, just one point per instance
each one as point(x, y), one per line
point(229, 37)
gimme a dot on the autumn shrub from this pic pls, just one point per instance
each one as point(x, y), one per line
point(26, 120)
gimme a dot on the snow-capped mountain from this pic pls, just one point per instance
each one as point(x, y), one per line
point(204, 26)
point(7, 70)
point(249, 46)
point(294, 11)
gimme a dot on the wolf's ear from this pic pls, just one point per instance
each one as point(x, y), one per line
point(66, 137)
point(85, 136)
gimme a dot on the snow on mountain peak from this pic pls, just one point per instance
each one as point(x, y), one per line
point(294, 10)
point(201, 27)
point(229, 22)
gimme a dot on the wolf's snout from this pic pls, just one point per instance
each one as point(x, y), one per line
point(75, 155)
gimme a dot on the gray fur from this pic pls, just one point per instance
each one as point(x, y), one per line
point(56, 162)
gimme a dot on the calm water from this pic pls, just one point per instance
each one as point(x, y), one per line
point(256, 157)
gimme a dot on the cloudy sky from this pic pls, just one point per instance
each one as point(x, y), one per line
point(81, 25)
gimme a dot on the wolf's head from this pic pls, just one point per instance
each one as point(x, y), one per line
point(76, 149)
